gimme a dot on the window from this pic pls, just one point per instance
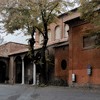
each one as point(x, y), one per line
point(49, 35)
point(63, 64)
point(57, 33)
point(66, 29)
point(91, 41)
point(40, 39)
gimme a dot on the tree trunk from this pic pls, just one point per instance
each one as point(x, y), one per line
point(43, 58)
point(43, 66)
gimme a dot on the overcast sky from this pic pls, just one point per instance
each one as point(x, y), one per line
point(17, 37)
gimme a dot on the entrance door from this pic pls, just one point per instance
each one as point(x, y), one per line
point(2, 72)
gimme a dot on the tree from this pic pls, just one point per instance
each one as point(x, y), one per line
point(90, 11)
point(32, 16)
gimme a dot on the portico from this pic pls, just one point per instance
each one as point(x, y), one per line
point(22, 69)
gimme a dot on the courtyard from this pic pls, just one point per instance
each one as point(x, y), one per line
point(29, 92)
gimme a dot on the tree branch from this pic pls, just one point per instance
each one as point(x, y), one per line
point(40, 30)
point(51, 11)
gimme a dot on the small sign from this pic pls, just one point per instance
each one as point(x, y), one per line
point(73, 77)
point(89, 69)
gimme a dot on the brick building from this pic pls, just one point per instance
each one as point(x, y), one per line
point(9, 67)
point(74, 57)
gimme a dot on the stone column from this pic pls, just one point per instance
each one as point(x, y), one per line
point(22, 70)
point(34, 74)
point(11, 70)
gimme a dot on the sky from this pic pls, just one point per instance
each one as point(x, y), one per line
point(16, 37)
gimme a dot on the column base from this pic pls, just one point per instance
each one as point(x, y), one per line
point(22, 83)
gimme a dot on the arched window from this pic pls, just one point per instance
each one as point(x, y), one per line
point(66, 29)
point(40, 39)
point(49, 35)
point(57, 33)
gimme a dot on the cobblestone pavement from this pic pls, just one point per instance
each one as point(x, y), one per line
point(29, 92)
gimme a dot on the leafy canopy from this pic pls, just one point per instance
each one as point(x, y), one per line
point(90, 11)
point(26, 14)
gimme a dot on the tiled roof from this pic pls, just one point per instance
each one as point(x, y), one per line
point(19, 51)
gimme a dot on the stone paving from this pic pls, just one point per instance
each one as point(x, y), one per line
point(29, 92)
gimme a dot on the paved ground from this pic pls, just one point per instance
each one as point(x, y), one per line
point(27, 92)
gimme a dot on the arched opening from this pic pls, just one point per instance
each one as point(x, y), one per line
point(49, 35)
point(57, 32)
point(28, 70)
point(66, 31)
point(18, 71)
point(2, 72)
point(40, 39)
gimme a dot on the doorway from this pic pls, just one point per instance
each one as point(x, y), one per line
point(18, 63)
point(2, 72)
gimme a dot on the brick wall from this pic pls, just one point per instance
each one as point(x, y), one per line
point(80, 57)
point(61, 53)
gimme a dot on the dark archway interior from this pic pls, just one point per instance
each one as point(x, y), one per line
point(28, 66)
point(18, 64)
point(2, 72)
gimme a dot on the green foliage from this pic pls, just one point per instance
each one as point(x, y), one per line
point(90, 10)
point(26, 14)
point(33, 15)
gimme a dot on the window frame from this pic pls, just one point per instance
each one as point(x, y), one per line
point(90, 39)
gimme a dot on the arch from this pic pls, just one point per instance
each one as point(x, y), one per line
point(18, 69)
point(49, 35)
point(40, 38)
point(2, 71)
point(66, 30)
point(57, 32)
